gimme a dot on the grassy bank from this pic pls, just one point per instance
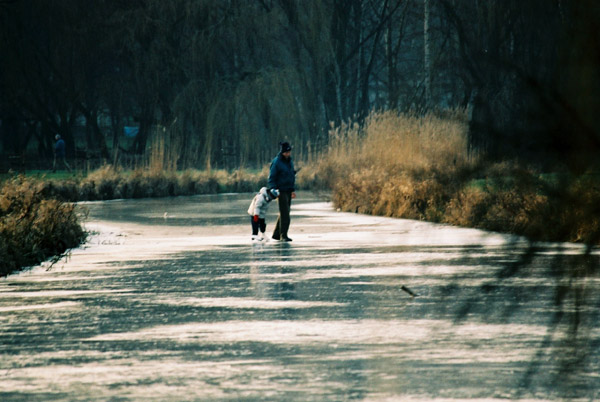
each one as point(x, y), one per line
point(420, 168)
point(111, 183)
point(33, 227)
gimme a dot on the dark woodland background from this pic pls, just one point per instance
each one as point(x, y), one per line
point(219, 83)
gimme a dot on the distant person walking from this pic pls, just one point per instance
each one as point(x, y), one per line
point(60, 153)
point(282, 176)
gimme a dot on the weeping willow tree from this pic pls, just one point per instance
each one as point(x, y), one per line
point(243, 123)
point(257, 77)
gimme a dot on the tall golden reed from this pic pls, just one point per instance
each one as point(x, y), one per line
point(397, 142)
point(420, 167)
point(395, 164)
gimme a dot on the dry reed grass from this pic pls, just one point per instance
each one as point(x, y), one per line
point(400, 142)
point(32, 227)
point(400, 165)
point(530, 205)
point(109, 182)
point(420, 168)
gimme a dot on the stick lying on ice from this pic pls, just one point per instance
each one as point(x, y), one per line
point(407, 290)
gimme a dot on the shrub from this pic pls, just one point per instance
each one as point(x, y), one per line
point(33, 228)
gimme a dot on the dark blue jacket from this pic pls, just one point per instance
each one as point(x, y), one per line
point(59, 148)
point(282, 175)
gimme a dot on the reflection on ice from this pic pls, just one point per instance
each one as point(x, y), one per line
point(389, 271)
point(62, 293)
point(38, 306)
point(351, 332)
point(245, 303)
point(285, 332)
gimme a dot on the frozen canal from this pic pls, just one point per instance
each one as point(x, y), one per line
point(170, 301)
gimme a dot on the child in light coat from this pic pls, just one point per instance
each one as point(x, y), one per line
point(258, 210)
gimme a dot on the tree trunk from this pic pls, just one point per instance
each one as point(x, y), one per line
point(426, 52)
point(96, 138)
point(390, 56)
point(139, 144)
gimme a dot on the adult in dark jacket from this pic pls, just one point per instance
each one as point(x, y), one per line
point(60, 154)
point(282, 176)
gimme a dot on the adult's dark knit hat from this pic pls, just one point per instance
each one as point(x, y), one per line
point(285, 146)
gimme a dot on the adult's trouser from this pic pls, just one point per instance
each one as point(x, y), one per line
point(283, 220)
point(62, 159)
